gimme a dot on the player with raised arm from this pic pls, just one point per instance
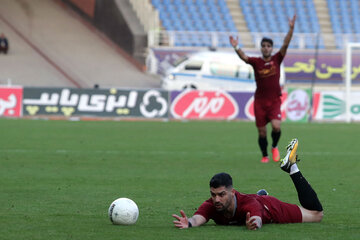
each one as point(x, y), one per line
point(226, 206)
point(268, 91)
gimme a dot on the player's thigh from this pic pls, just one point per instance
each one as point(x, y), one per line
point(260, 114)
point(274, 110)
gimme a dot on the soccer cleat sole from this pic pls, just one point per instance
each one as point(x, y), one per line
point(291, 156)
point(293, 149)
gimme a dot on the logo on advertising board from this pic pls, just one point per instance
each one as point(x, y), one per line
point(10, 102)
point(249, 107)
point(193, 104)
point(332, 106)
point(298, 105)
point(146, 102)
point(95, 102)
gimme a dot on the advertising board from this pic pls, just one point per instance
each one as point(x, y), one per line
point(95, 102)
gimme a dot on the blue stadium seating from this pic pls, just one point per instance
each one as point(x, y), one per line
point(345, 20)
point(272, 17)
point(200, 16)
point(266, 17)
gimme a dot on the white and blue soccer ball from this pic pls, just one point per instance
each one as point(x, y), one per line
point(123, 211)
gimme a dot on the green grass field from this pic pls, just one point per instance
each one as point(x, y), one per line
point(58, 178)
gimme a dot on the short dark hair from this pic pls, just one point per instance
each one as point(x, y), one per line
point(221, 179)
point(269, 40)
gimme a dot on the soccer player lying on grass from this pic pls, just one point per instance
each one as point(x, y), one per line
point(230, 207)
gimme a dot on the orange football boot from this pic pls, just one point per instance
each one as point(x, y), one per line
point(275, 154)
point(265, 159)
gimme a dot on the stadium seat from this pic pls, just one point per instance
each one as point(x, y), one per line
point(344, 17)
point(261, 16)
point(276, 14)
point(199, 15)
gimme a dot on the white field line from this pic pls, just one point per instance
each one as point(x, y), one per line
point(154, 152)
point(63, 151)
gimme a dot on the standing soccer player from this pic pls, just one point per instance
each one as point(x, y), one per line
point(268, 91)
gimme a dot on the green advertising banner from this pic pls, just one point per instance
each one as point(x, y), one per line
point(332, 106)
point(298, 105)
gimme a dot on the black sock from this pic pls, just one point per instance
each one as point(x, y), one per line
point(263, 145)
point(275, 138)
point(307, 196)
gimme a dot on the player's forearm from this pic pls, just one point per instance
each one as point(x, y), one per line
point(241, 54)
point(196, 220)
point(288, 37)
point(287, 40)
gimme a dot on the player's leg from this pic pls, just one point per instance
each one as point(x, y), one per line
point(274, 114)
point(263, 143)
point(261, 121)
point(311, 207)
point(275, 135)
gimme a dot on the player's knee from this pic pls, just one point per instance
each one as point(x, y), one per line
point(318, 216)
point(276, 128)
point(262, 132)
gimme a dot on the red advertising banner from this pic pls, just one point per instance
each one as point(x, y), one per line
point(212, 105)
point(11, 101)
point(195, 104)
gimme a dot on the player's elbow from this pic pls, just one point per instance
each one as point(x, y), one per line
point(285, 46)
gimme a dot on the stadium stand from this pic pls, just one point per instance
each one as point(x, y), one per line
point(267, 17)
point(215, 21)
point(196, 16)
point(345, 20)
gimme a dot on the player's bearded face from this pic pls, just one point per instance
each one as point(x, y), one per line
point(221, 198)
point(266, 49)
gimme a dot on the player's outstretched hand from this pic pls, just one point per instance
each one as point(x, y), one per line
point(292, 21)
point(251, 223)
point(182, 222)
point(234, 41)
